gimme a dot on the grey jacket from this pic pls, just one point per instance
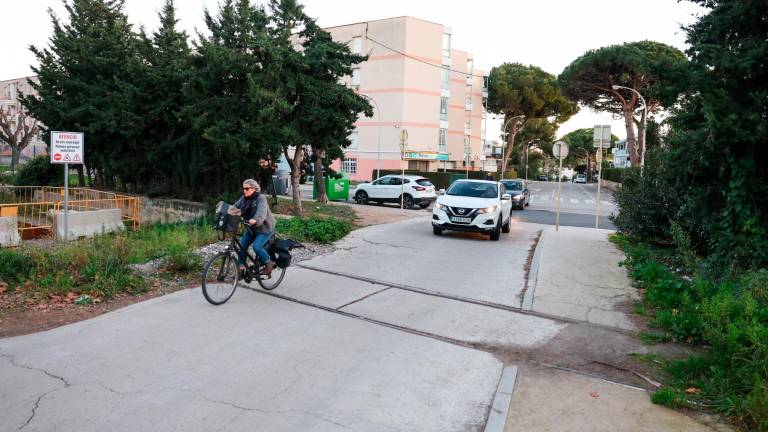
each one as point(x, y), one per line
point(265, 221)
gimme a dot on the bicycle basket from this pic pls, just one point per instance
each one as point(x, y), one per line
point(224, 221)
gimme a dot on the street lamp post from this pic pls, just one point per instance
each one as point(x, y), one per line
point(378, 144)
point(645, 120)
point(504, 129)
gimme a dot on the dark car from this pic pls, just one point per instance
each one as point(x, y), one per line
point(519, 191)
point(542, 177)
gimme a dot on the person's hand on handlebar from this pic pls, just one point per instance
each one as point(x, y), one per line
point(252, 222)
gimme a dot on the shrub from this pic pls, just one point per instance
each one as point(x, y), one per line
point(14, 266)
point(321, 230)
point(643, 206)
point(40, 172)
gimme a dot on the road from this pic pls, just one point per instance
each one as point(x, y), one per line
point(577, 204)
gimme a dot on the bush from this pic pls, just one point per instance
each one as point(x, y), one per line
point(643, 204)
point(14, 266)
point(727, 317)
point(617, 174)
point(321, 230)
point(7, 178)
point(40, 172)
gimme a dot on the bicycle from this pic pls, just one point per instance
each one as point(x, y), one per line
point(221, 274)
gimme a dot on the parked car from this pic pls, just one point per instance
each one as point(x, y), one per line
point(519, 191)
point(580, 178)
point(542, 177)
point(473, 206)
point(416, 190)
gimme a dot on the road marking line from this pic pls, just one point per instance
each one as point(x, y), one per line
point(606, 203)
point(574, 201)
point(592, 202)
point(497, 418)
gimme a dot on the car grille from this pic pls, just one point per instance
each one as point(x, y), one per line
point(462, 212)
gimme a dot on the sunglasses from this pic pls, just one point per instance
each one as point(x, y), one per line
point(247, 188)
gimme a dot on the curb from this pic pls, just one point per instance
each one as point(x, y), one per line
point(497, 418)
point(533, 273)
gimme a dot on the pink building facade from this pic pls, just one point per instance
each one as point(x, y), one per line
point(416, 83)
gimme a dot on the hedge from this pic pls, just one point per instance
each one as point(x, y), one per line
point(617, 174)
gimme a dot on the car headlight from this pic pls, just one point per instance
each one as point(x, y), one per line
point(519, 197)
point(439, 206)
point(486, 210)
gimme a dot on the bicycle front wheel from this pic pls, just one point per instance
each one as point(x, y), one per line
point(219, 278)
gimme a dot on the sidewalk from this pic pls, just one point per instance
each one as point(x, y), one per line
point(575, 274)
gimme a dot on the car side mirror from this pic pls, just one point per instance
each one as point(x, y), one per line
point(506, 196)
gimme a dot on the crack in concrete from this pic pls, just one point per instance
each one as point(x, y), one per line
point(290, 386)
point(388, 244)
point(267, 412)
point(66, 383)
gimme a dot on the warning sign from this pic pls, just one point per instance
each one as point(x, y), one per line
point(67, 147)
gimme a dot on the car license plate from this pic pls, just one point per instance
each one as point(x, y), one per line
point(430, 190)
point(461, 219)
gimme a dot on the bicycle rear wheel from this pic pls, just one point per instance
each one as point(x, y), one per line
point(273, 280)
point(219, 278)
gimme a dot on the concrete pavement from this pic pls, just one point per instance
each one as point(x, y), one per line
point(577, 275)
point(257, 363)
point(397, 330)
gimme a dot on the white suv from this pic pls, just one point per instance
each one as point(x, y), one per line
point(474, 206)
point(416, 190)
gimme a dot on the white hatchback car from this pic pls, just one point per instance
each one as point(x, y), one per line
point(474, 206)
point(416, 190)
point(580, 178)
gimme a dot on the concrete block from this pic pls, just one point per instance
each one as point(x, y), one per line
point(9, 233)
point(89, 223)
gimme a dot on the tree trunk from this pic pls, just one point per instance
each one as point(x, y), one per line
point(322, 195)
point(589, 166)
point(15, 152)
point(634, 154)
point(295, 164)
point(80, 176)
point(508, 149)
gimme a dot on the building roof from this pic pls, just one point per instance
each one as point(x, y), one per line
point(383, 19)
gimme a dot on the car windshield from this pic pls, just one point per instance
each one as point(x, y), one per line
point(423, 182)
point(513, 185)
point(473, 189)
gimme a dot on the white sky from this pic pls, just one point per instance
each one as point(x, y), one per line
point(546, 33)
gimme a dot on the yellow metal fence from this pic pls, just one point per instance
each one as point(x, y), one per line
point(36, 207)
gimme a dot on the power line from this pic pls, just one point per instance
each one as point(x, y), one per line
point(420, 60)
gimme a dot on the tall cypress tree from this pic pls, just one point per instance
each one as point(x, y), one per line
point(82, 76)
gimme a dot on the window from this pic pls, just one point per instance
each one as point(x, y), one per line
point(467, 127)
point(353, 140)
point(469, 103)
point(446, 44)
point(357, 45)
point(445, 79)
point(349, 166)
point(443, 108)
point(356, 77)
point(442, 144)
point(469, 66)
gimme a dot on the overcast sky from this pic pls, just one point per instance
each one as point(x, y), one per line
point(546, 33)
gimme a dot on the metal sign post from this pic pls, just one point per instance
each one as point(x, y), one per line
point(67, 148)
point(601, 139)
point(560, 151)
point(403, 148)
point(599, 159)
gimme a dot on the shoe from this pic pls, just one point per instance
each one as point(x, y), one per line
point(268, 268)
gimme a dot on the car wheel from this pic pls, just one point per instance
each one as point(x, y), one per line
point(361, 197)
point(496, 233)
point(506, 228)
point(407, 201)
point(527, 204)
point(437, 231)
point(424, 205)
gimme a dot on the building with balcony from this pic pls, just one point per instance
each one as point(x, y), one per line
point(417, 83)
point(10, 90)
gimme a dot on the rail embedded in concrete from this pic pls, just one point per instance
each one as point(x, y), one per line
point(36, 207)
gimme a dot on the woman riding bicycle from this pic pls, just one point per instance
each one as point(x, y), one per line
point(256, 213)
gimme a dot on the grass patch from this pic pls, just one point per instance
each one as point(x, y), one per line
point(727, 318)
point(99, 266)
point(654, 338)
point(316, 229)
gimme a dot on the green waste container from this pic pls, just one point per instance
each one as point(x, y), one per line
point(337, 189)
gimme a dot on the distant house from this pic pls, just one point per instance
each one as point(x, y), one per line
point(621, 155)
point(10, 90)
